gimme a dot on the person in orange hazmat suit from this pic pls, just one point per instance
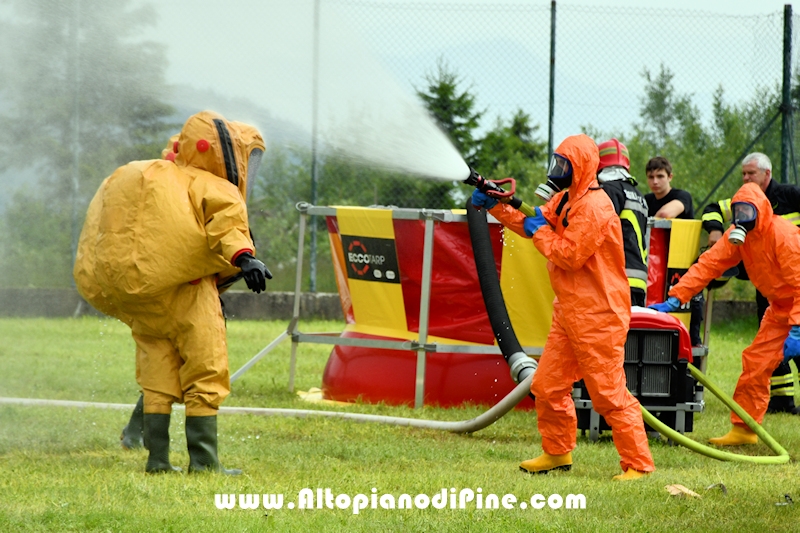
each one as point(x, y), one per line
point(158, 237)
point(769, 246)
point(580, 234)
point(132, 435)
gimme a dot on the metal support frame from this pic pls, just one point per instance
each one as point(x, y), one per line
point(424, 307)
point(699, 353)
point(680, 414)
point(420, 345)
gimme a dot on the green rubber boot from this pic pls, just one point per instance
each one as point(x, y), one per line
point(201, 440)
point(132, 436)
point(156, 433)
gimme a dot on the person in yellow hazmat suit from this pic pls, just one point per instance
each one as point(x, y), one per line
point(769, 247)
point(580, 234)
point(132, 435)
point(158, 239)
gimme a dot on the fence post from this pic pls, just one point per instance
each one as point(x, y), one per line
point(786, 104)
point(312, 273)
point(552, 78)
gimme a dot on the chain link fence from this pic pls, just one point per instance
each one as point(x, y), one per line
point(719, 79)
point(502, 54)
point(606, 61)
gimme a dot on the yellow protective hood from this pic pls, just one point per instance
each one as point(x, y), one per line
point(211, 143)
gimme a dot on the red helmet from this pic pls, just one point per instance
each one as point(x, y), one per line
point(613, 153)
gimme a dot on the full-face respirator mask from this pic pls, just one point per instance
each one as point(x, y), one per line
point(744, 220)
point(559, 177)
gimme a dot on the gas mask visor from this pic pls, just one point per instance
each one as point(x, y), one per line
point(253, 164)
point(559, 177)
point(744, 220)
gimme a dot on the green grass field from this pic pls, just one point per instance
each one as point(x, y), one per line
point(62, 469)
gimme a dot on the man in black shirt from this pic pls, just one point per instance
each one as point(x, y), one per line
point(785, 201)
point(666, 202)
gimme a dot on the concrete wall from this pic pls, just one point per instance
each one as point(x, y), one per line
point(243, 305)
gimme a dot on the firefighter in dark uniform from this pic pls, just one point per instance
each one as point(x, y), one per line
point(785, 201)
point(613, 174)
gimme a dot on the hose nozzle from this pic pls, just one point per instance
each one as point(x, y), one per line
point(474, 178)
point(491, 187)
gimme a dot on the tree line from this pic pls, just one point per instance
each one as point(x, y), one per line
point(74, 108)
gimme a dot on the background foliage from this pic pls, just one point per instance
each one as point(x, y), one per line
point(80, 94)
point(80, 97)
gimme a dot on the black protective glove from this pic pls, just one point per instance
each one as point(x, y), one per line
point(255, 272)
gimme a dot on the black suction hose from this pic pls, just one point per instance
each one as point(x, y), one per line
point(521, 365)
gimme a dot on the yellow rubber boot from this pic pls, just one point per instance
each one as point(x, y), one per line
point(736, 437)
point(629, 475)
point(546, 462)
